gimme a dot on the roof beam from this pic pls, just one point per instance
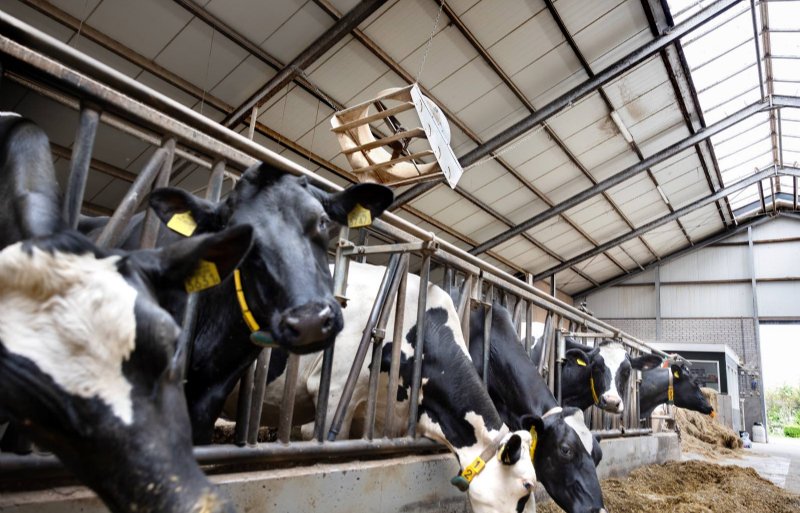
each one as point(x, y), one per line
point(673, 59)
point(631, 171)
point(607, 101)
point(576, 93)
point(677, 254)
point(322, 44)
point(672, 216)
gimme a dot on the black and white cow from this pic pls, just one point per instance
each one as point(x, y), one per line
point(286, 283)
point(87, 364)
point(566, 453)
point(598, 376)
point(654, 390)
point(455, 409)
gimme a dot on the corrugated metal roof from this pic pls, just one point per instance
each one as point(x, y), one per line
point(532, 61)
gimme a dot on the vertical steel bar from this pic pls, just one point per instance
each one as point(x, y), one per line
point(517, 315)
point(560, 351)
point(657, 284)
point(214, 189)
point(397, 343)
point(251, 130)
point(361, 353)
point(243, 406)
point(378, 336)
point(257, 399)
point(463, 309)
point(487, 334)
point(361, 240)
point(151, 221)
point(79, 168)
point(340, 272)
point(528, 327)
point(113, 231)
point(419, 350)
point(287, 403)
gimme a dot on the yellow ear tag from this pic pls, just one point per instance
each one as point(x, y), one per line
point(183, 223)
point(580, 362)
point(677, 376)
point(204, 277)
point(473, 469)
point(359, 217)
point(534, 441)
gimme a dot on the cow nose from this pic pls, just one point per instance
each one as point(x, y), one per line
point(305, 327)
point(612, 404)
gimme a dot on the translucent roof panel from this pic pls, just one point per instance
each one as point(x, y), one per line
point(747, 53)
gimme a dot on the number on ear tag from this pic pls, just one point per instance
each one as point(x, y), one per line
point(204, 277)
point(183, 223)
point(580, 362)
point(359, 217)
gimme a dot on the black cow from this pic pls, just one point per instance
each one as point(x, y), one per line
point(285, 280)
point(598, 376)
point(87, 354)
point(566, 453)
point(654, 390)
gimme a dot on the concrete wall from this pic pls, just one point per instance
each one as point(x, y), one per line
point(412, 484)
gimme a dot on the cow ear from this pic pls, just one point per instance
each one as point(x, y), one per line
point(577, 357)
point(677, 372)
point(185, 213)
point(509, 452)
point(374, 197)
point(646, 362)
point(529, 422)
point(203, 261)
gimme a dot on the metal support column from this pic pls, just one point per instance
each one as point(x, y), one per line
point(419, 350)
point(657, 286)
point(756, 327)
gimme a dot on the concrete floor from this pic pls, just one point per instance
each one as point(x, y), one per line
point(778, 461)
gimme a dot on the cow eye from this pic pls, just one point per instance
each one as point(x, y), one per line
point(323, 224)
point(566, 451)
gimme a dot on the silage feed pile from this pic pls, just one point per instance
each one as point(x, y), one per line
point(693, 487)
point(703, 435)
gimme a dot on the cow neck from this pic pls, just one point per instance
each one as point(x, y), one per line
point(220, 354)
point(488, 442)
point(654, 390)
point(471, 470)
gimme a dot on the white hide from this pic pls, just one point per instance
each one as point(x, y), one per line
point(614, 355)
point(73, 316)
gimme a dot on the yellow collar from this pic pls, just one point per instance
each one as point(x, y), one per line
point(594, 393)
point(249, 319)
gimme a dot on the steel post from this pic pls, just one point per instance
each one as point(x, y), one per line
point(151, 221)
point(361, 353)
point(397, 344)
point(287, 403)
point(79, 167)
point(257, 399)
point(243, 406)
point(113, 231)
point(419, 350)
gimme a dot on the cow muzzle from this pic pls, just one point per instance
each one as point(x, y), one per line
point(611, 403)
point(309, 327)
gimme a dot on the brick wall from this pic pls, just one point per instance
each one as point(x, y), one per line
point(737, 333)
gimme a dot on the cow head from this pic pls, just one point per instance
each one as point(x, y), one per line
point(87, 363)
point(600, 375)
point(285, 277)
point(565, 460)
point(506, 482)
point(687, 391)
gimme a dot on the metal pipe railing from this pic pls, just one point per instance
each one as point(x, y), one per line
point(183, 132)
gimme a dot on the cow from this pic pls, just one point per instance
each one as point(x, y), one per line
point(454, 408)
point(686, 393)
point(566, 454)
point(285, 291)
point(597, 376)
point(88, 364)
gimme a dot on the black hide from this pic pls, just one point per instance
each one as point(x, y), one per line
point(654, 386)
point(519, 392)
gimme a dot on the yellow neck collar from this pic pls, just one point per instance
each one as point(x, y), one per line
point(249, 319)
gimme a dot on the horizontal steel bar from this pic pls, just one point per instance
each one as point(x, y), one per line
point(406, 247)
point(631, 171)
point(11, 465)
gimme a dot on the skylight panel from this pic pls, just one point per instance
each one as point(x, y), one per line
point(783, 15)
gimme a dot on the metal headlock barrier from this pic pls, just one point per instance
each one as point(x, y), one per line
point(103, 95)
